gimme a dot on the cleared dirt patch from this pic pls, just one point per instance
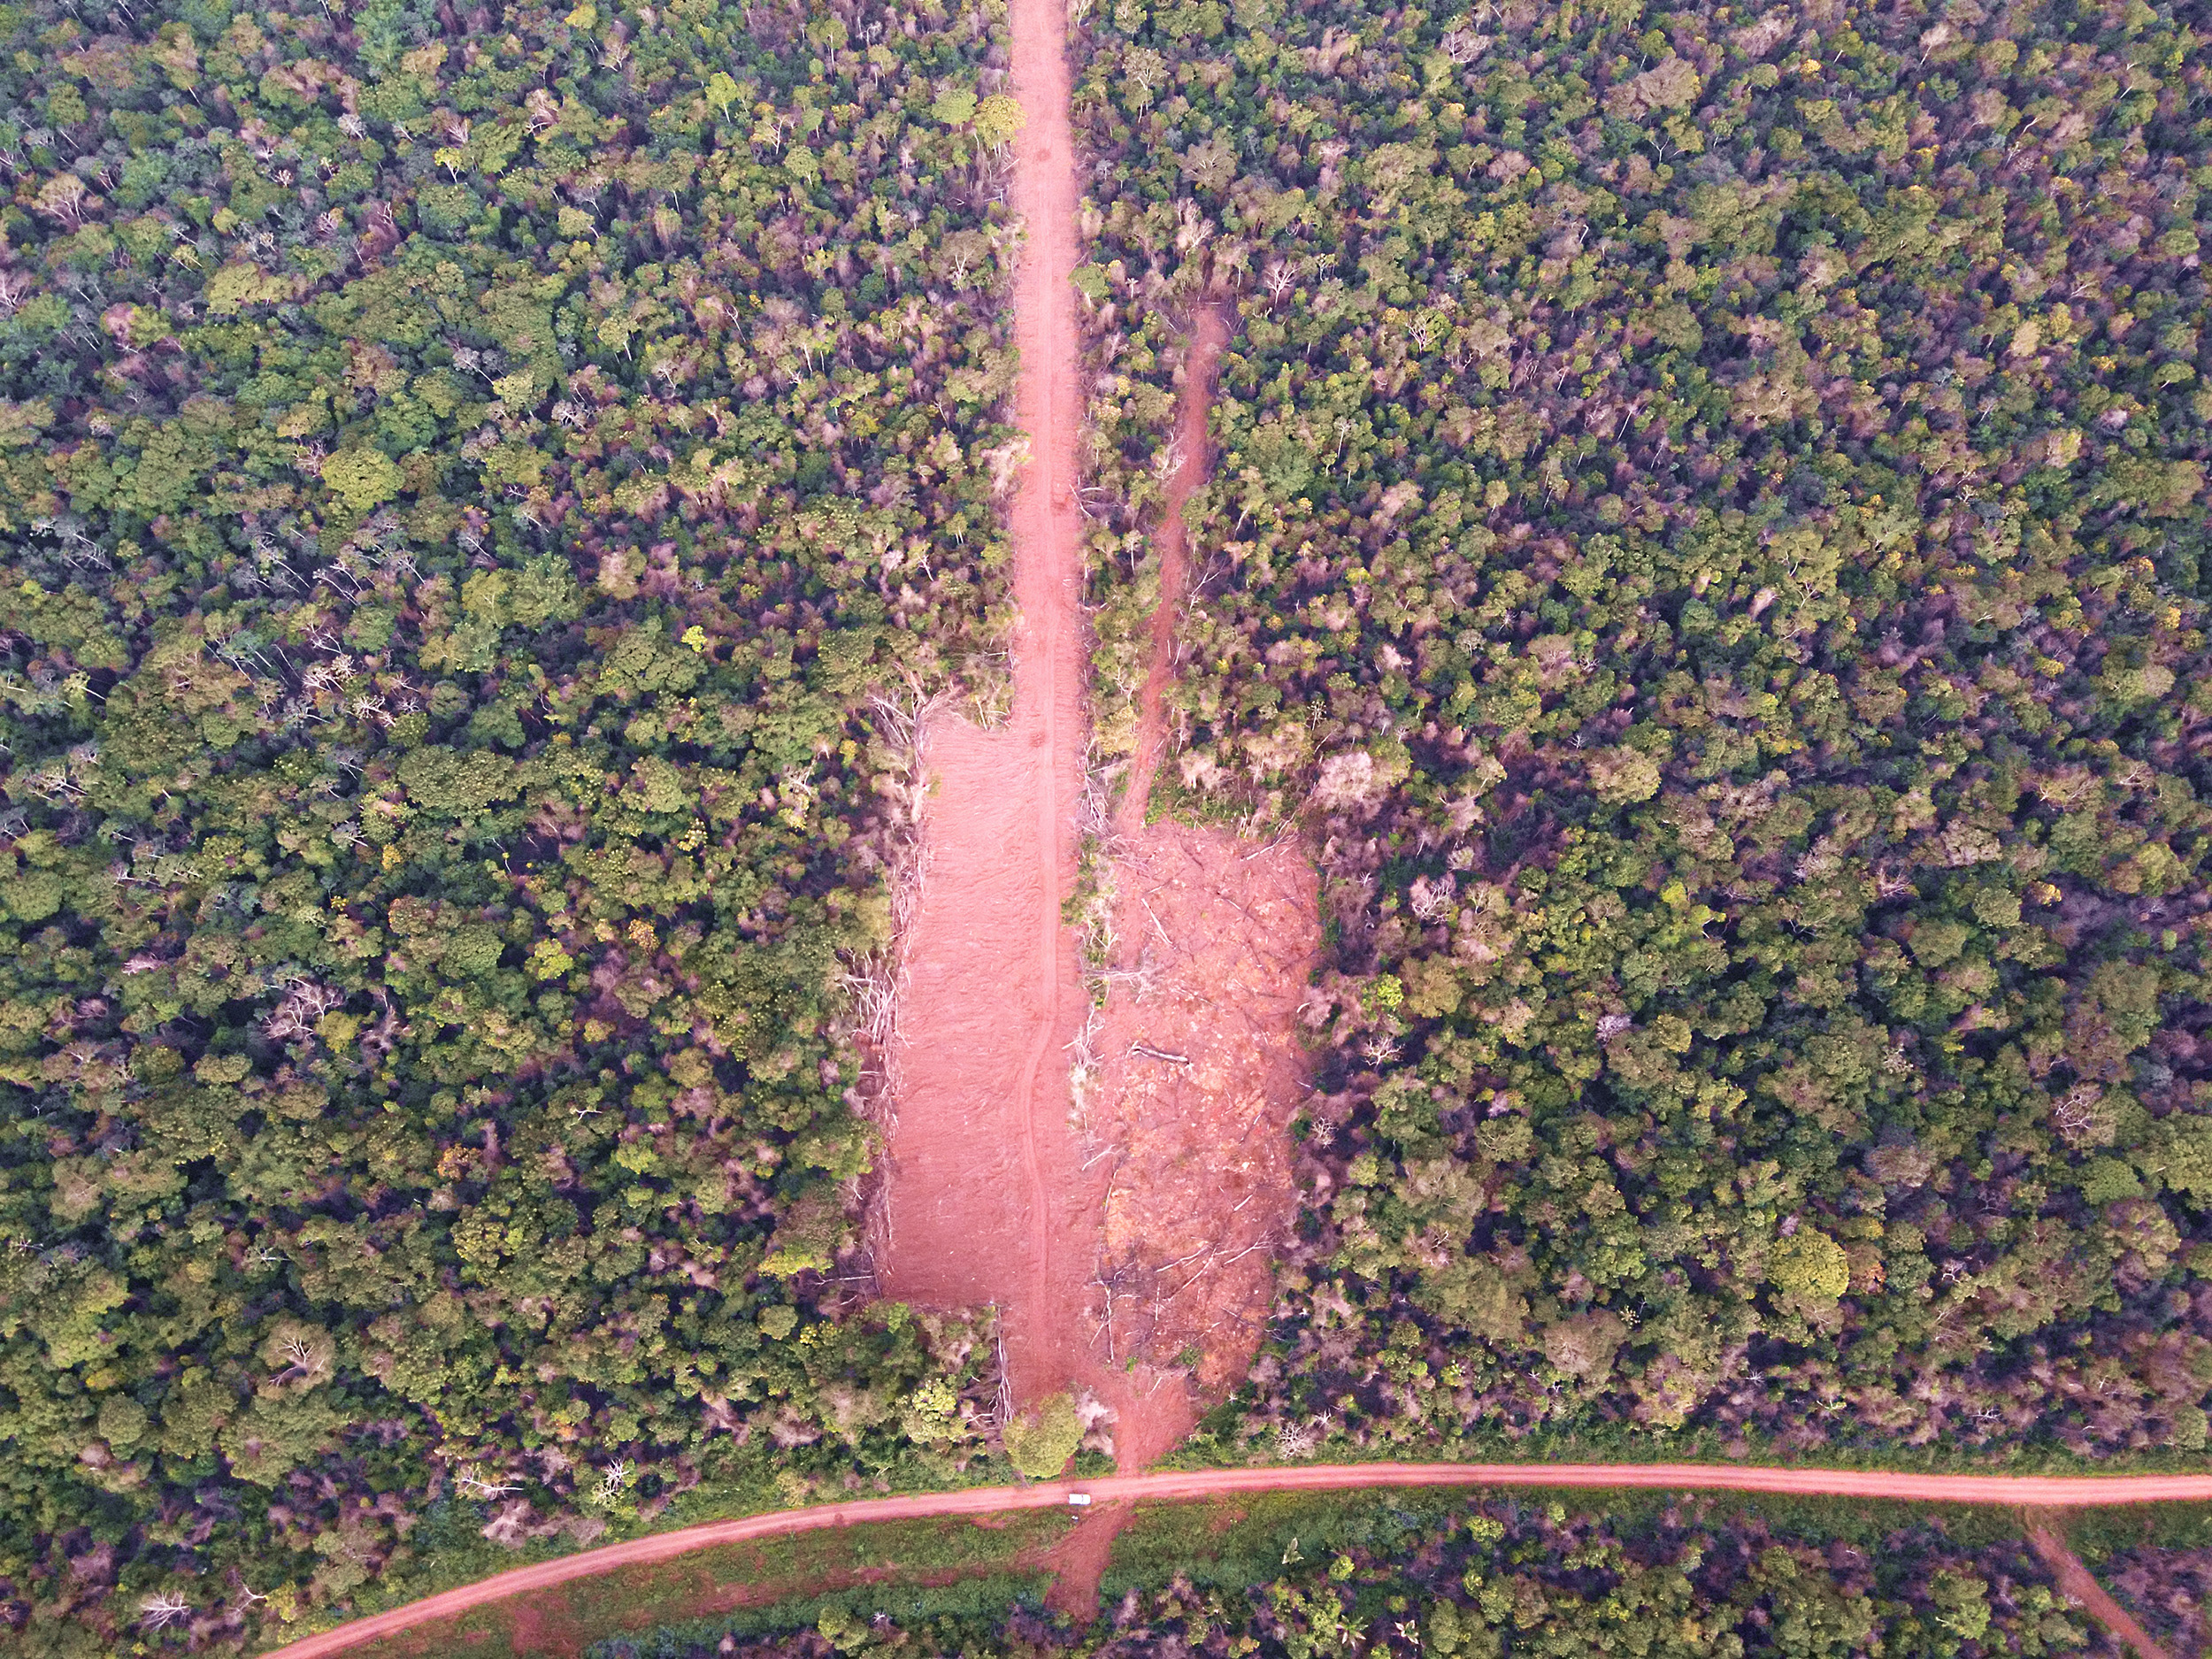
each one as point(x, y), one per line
point(984, 1176)
point(1198, 1069)
point(1133, 1260)
point(1199, 1075)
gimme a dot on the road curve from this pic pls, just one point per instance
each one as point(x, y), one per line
point(2030, 1490)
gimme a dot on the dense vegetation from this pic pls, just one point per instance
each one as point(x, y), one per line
point(475, 492)
point(2157, 1564)
point(1710, 533)
point(2168, 1591)
point(1509, 1579)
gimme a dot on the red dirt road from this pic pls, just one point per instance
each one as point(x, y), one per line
point(2034, 1491)
point(987, 1199)
point(2076, 1580)
point(986, 1202)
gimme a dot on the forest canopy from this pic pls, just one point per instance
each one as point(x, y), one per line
point(482, 494)
point(1708, 532)
point(1706, 540)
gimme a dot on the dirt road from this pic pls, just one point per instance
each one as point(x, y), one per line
point(990, 1198)
point(1209, 334)
point(985, 1199)
point(2077, 1581)
point(2032, 1491)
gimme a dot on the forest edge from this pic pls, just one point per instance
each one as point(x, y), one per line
point(2043, 1492)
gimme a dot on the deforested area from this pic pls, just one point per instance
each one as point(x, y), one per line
point(483, 493)
point(1706, 533)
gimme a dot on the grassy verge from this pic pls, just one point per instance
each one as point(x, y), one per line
point(951, 1615)
point(1238, 1542)
point(747, 1581)
point(447, 1550)
point(961, 1579)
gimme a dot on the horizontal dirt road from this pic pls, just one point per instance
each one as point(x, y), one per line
point(2028, 1491)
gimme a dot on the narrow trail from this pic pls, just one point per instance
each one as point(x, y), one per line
point(986, 1200)
point(2032, 1491)
point(1208, 337)
point(2077, 1580)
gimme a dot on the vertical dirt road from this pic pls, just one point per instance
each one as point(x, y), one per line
point(1137, 1263)
point(1172, 539)
point(986, 1200)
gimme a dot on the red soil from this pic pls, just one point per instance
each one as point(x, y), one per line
point(1079, 1560)
point(990, 1198)
point(1215, 942)
point(986, 1200)
point(2080, 1585)
point(2042, 1491)
point(984, 1179)
point(1173, 542)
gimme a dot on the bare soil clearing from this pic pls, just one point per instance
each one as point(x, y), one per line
point(985, 1199)
point(1123, 1264)
point(1199, 1069)
point(2034, 1491)
point(1199, 1074)
point(984, 1175)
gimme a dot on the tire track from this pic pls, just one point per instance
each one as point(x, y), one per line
point(1209, 334)
point(984, 1176)
point(1047, 553)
